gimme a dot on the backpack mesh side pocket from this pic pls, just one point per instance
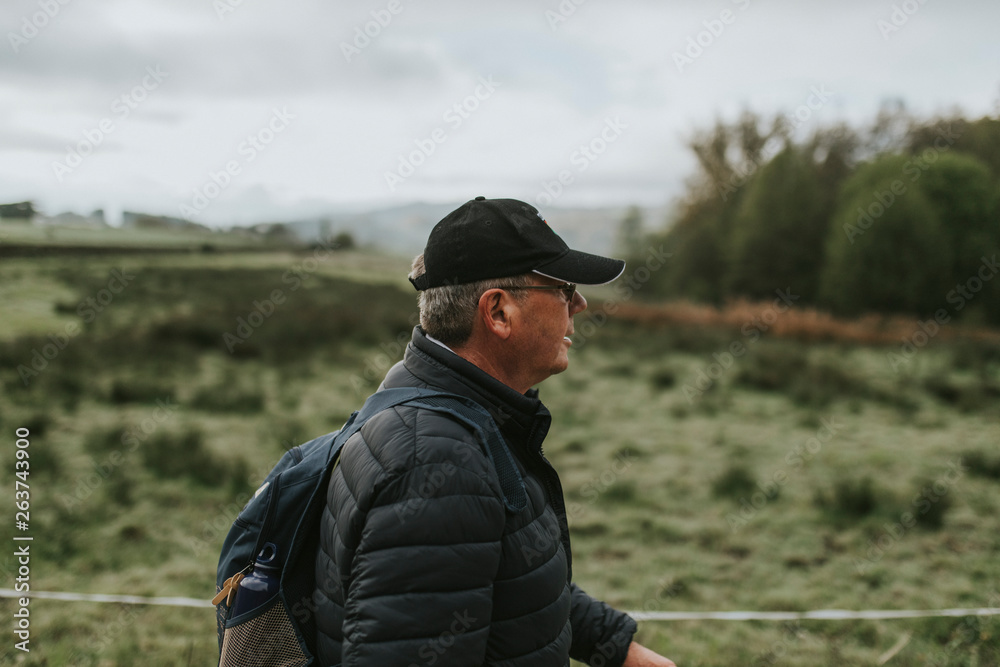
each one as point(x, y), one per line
point(266, 639)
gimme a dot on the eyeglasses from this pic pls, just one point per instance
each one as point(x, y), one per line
point(568, 289)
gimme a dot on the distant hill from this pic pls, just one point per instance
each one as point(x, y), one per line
point(404, 229)
point(131, 219)
point(396, 229)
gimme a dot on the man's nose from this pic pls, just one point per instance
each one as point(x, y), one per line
point(578, 305)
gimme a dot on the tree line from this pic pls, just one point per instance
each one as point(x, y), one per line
point(902, 216)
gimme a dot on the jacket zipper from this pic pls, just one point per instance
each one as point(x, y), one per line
point(553, 487)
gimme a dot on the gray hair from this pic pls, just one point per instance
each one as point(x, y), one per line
point(448, 312)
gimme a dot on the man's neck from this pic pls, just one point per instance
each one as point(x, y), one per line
point(486, 364)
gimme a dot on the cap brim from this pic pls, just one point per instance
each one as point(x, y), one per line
point(583, 268)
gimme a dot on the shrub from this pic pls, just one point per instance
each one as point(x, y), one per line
point(239, 478)
point(168, 454)
point(852, 498)
point(934, 507)
point(45, 460)
point(735, 482)
point(855, 497)
point(772, 368)
point(139, 391)
point(967, 398)
point(981, 464)
point(133, 533)
point(283, 433)
point(974, 355)
point(228, 397)
point(120, 488)
point(786, 368)
point(663, 379)
point(191, 331)
point(38, 423)
point(104, 440)
point(969, 636)
point(942, 389)
point(67, 386)
point(622, 491)
point(625, 370)
point(821, 383)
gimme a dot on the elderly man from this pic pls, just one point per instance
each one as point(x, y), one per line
point(422, 562)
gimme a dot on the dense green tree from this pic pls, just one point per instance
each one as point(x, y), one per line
point(975, 225)
point(834, 151)
point(779, 232)
point(899, 233)
point(980, 138)
point(344, 241)
point(728, 155)
point(728, 159)
point(24, 210)
point(961, 189)
point(697, 266)
point(887, 247)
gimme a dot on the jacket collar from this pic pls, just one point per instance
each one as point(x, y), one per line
point(521, 417)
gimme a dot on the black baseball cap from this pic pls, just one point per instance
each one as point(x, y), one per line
point(496, 238)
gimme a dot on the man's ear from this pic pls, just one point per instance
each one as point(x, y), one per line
point(494, 312)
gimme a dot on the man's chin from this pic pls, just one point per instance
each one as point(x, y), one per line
point(561, 364)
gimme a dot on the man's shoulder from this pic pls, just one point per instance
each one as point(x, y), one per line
point(408, 435)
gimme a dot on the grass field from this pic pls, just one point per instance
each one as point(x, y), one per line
point(21, 233)
point(778, 479)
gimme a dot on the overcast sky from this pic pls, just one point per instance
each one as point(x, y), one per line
point(135, 105)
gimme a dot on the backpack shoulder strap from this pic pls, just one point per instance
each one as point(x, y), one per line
point(465, 410)
point(376, 403)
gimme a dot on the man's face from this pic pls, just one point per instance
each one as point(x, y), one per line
point(547, 324)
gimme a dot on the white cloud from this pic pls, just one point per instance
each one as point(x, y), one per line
point(353, 119)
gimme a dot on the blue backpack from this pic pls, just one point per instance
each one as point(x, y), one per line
point(266, 572)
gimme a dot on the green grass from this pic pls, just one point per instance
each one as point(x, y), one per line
point(149, 435)
point(12, 232)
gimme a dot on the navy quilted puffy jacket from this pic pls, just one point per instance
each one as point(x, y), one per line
point(421, 564)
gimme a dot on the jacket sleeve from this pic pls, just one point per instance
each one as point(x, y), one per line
point(421, 585)
point(601, 635)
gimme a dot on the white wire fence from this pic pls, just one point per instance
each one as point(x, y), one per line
point(814, 615)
